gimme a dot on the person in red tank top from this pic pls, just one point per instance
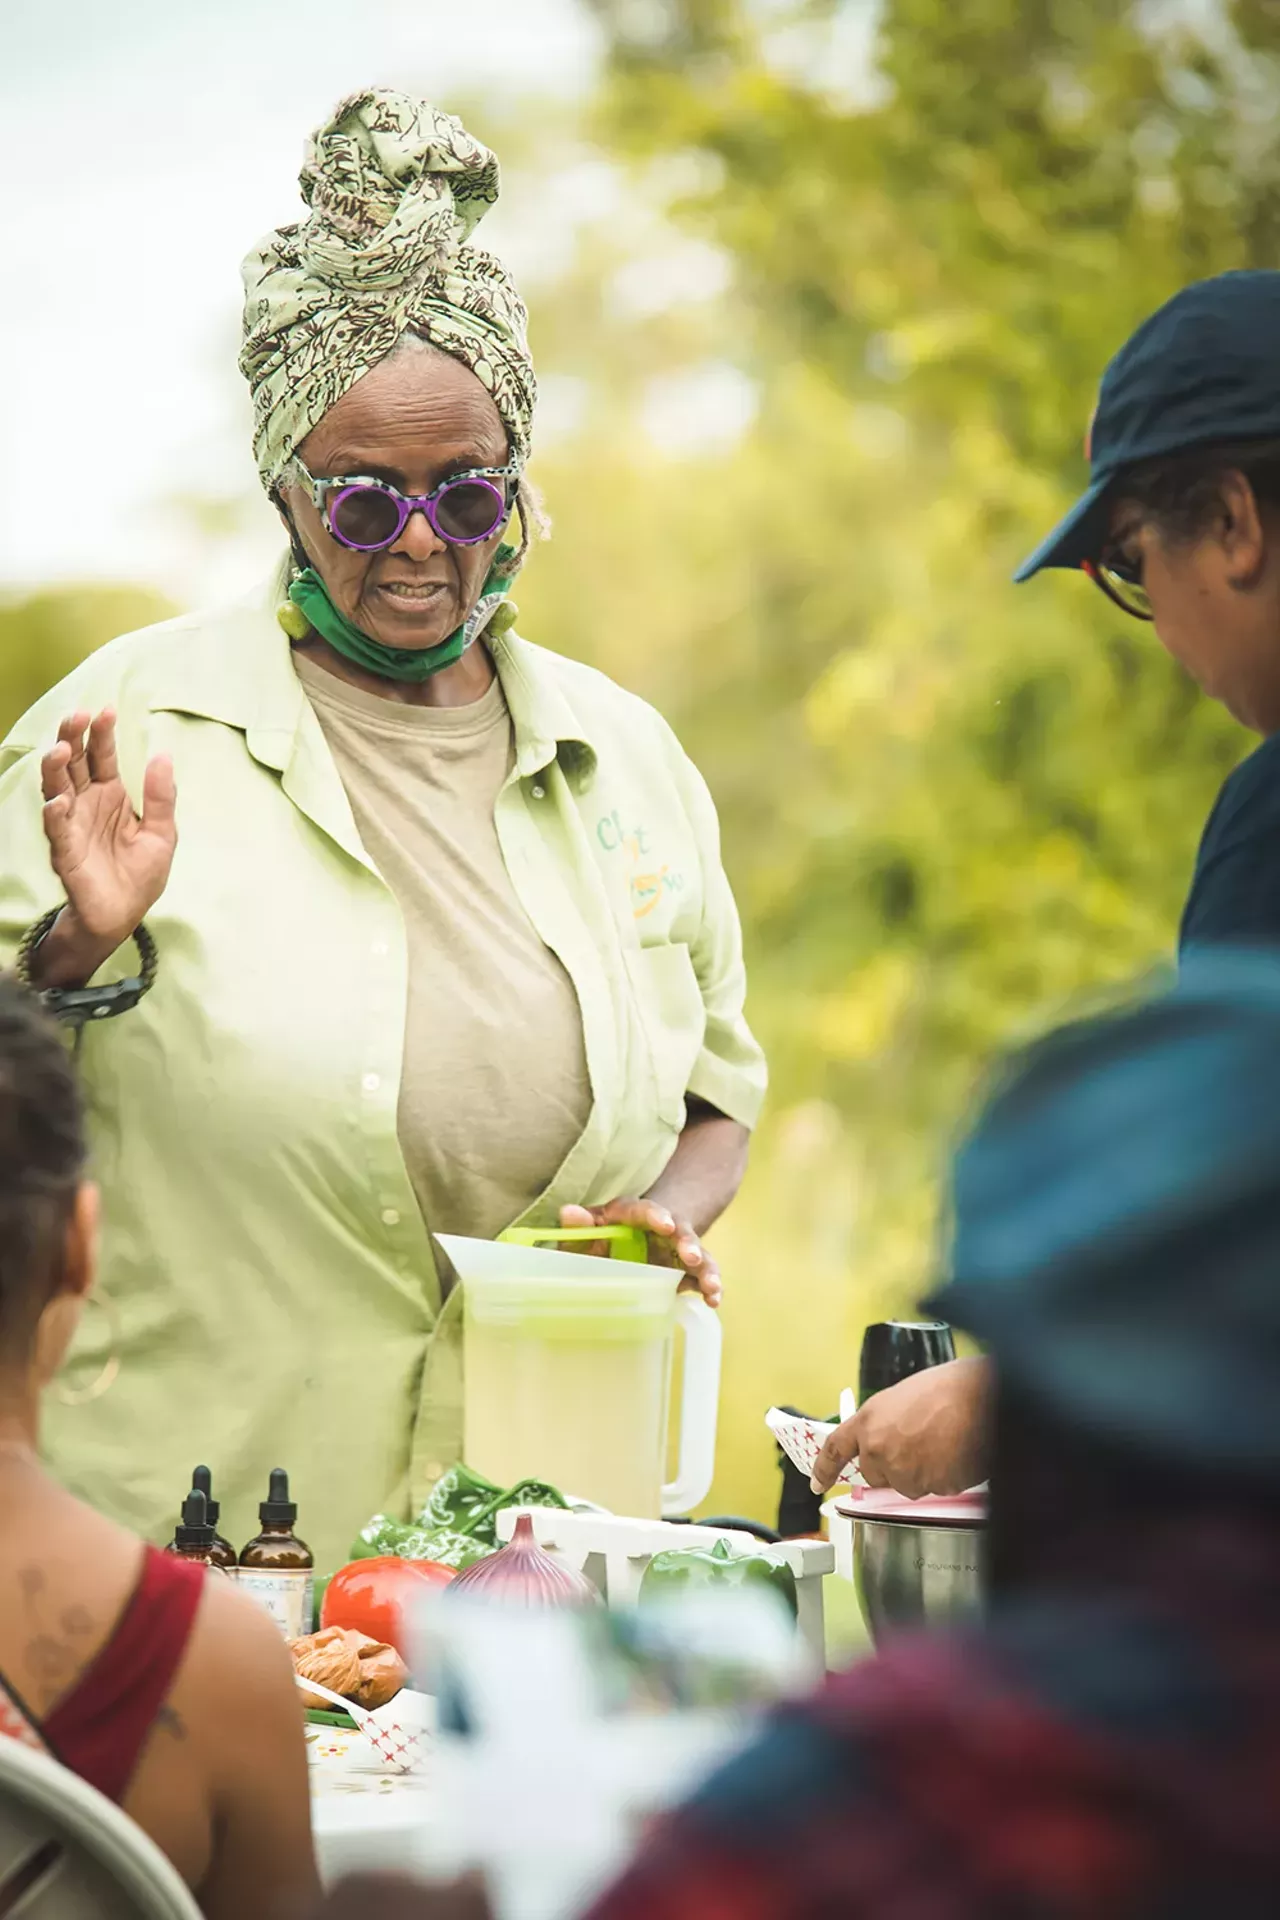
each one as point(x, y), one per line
point(147, 1675)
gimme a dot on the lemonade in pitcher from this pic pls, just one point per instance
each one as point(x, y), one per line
point(571, 1395)
point(567, 1364)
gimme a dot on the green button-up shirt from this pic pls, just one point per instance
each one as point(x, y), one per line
point(274, 1299)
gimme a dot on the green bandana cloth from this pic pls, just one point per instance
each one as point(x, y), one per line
point(493, 613)
point(395, 190)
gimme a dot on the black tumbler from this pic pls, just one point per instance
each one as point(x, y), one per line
point(892, 1349)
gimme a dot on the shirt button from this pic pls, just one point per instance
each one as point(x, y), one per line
point(371, 1083)
point(380, 949)
point(433, 1470)
point(539, 791)
point(390, 1217)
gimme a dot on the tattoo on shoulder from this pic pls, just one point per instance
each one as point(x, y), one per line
point(50, 1660)
point(50, 1655)
point(172, 1721)
point(31, 1582)
point(46, 1656)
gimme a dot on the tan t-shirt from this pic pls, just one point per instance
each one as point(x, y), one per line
point(494, 1088)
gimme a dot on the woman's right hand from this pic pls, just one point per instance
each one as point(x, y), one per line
point(113, 863)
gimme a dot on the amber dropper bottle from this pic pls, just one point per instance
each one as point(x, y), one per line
point(224, 1554)
point(275, 1566)
point(193, 1536)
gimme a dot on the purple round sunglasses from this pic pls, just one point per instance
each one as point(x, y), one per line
point(367, 515)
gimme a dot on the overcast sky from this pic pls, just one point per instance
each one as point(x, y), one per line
point(150, 142)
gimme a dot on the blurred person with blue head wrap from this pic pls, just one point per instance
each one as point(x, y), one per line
point(1107, 1740)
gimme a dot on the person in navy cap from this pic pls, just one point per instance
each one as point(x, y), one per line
point(1180, 526)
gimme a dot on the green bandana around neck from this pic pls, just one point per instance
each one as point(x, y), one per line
point(310, 595)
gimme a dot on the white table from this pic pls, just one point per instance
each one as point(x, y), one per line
point(363, 1816)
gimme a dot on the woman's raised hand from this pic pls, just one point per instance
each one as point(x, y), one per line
point(113, 862)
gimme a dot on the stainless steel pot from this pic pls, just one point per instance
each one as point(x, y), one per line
point(910, 1576)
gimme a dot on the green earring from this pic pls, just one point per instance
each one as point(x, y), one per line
point(293, 620)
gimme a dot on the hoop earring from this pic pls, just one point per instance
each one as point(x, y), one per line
point(83, 1396)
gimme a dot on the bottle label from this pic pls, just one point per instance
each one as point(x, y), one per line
point(287, 1597)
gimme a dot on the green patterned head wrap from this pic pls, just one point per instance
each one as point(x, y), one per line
point(395, 190)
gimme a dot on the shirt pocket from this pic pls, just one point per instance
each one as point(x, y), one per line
point(673, 1018)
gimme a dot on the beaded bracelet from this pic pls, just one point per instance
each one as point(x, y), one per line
point(76, 1006)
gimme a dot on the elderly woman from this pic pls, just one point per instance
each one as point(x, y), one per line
point(445, 943)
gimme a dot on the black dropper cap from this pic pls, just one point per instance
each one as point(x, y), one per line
point(202, 1480)
point(278, 1510)
point(194, 1529)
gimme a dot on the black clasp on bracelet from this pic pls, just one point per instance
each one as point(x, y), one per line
point(76, 1006)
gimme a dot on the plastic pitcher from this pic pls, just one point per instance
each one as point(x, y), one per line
point(568, 1361)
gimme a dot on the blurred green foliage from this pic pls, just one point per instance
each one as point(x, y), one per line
point(43, 635)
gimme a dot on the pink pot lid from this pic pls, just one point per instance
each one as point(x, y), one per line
point(932, 1510)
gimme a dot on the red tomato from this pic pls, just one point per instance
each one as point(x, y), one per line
point(375, 1596)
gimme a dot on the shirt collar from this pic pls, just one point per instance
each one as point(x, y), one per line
point(236, 667)
point(546, 727)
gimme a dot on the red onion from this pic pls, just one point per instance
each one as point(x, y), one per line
point(522, 1575)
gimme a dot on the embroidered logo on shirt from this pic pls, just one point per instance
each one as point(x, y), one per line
point(648, 884)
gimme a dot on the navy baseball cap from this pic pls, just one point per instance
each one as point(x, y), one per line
point(1205, 367)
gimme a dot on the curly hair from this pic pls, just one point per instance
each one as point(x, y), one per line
point(42, 1159)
